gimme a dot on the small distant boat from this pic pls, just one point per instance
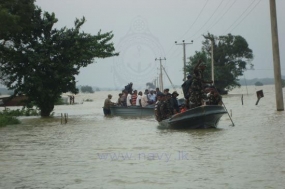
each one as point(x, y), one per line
point(13, 101)
point(132, 111)
point(197, 118)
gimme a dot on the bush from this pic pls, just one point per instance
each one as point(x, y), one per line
point(87, 89)
point(18, 112)
point(8, 120)
point(258, 83)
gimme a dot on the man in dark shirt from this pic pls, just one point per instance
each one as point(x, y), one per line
point(107, 105)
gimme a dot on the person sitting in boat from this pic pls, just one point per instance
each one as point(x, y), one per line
point(151, 97)
point(174, 102)
point(107, 104)
point(139, 100)
point(166, 91)
point(157, 111)
point(183, 108)
point(214, 98)
point(134, 97)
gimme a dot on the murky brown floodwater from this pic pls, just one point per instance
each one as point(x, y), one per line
point(92, 151)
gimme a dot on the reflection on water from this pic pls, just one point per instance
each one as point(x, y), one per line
point(93, 151)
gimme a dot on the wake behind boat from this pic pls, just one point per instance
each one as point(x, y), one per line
point(207, 116)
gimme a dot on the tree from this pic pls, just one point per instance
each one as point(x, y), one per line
point(87, 89)
point(42, 61)
point(231, 57)
point(15, 17)
point(258, 83)
point(150, 85)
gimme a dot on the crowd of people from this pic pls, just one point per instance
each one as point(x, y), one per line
point(196, 90)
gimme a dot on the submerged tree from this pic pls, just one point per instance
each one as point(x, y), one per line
point(231, 57)
point(86, 89)
point(42, 61)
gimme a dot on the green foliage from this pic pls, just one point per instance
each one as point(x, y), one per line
point(86, 89)
point(8, 120)
point(258, 83)
point(15, 17)
point(150, 85)
point(59, 101)
point(231, 56)
point(42, 62)
point(23, 112)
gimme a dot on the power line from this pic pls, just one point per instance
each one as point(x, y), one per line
point(246, 15)
point(223, 14)
point(240, 15)
point(192, 24)
point(208, 19)
point(195, 19)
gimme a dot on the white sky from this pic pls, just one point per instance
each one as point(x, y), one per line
point(147, 29)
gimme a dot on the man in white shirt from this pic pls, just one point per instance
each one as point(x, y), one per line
point(129, 99)
point(139, 99)
point(151, 97)
point(145, 99)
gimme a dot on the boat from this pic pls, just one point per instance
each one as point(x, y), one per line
point(13, 100)
point(132, 111)
point(202, 117)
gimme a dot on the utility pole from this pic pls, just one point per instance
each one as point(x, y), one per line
point(212, 56)
point(184, 56)
point(160, 75)
point(276, 57)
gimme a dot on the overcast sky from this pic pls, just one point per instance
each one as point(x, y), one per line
point(147, 29)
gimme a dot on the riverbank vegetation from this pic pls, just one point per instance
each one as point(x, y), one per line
point(8, 117)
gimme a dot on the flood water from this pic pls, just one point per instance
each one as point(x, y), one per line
point(91, 151)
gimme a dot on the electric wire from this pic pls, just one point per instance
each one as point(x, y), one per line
point(240, 16)
point(207, 20)
point(223, 15)
point(192, 24)
point(246, 15)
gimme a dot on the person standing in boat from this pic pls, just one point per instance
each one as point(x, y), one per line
point(139, 100)
point(129, 98)
point(145, 98)
point(119, 99)
point(174, 102)
point(186, 88)
point(107, 104)
point(151, 97)
point(134, 97)
point(129, 87)
point(124, 98)
point(165, 108)
point(197, 92)
point(157, 111)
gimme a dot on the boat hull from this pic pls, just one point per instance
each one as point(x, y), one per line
point(197, 118)
point(132, 111)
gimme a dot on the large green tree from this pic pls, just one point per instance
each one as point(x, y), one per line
point(42, 61)
point(15, 17)
point(232, 55)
